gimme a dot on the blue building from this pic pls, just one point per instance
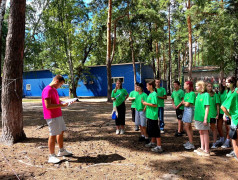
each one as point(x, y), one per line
point(96, 83)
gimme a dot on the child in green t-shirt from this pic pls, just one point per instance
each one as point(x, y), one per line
point(162, 95)
point(189, 102)
point(231, 104)
point(177, 98)
point(152, 118)
point(140, 118)
point(213, 111)
point(119, 95)
point(131, 98)
point(201, 117)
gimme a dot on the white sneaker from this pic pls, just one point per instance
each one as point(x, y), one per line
point(122, 131)
point(162, 131)
point(53, 159)
point(64, 153)
point(231, 154)
point(150, 145)
point(214, 145)
point(118, 131)
point(189, 146)
point(157, 149)
point(226, 144)
point(187, 143)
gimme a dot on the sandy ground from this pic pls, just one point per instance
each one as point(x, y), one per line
point(101, 154)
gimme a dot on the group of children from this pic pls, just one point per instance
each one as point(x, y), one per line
point(208, 108)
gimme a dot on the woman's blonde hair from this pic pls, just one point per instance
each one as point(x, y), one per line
point(202, 84)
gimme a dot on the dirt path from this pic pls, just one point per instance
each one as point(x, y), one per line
point(101, 154)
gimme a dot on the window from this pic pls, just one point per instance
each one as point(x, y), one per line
point(114, 79)
point(28, 87)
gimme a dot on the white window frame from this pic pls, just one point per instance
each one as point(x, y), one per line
point(114, 79)
point(28, 87)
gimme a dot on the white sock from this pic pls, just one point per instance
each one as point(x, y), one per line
point(159, 146)
point(142, 136)
point(146, 138)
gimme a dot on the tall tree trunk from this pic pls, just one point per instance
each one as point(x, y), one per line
point(132, 49)
point(170, 61)
point(164, 60)
point(157, 59)
point(195, 54)
point(108, 58)
point(190, 43)
point(12, 118)
point(198, 55)
point(179, 66)
point(2, 12)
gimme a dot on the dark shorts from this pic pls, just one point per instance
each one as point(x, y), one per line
point(179, 114)
point(153, 129)
point(213, 120)
point(133, 112)
point(220, 116)
point(120, 120)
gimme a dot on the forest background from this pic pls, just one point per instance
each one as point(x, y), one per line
point(66, 36)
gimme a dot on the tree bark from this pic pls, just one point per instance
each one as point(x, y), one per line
point(2, 12)
point(132, 50)
point(190, 43)
point(108, 58)
point(164, 59)
point(170, 63)
point(12, 118)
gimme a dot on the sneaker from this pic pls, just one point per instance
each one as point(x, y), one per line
point(187, 143)
point(189, 146)
point(150, 145)
point(53, 159)
point(64, 153)
point(141, 139)
point(214, 145)
point(122, 131)
point(231, 154)
point(226, 144)
point(198, 150)
point(178, 134)
point(203, 153)
point(219, 142)
point(162, 131)
point(118, 131)
point(136, 128)
point(157, 149)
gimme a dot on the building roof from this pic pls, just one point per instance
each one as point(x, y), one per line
point(202, 69)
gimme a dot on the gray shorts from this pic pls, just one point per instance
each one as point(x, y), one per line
point(140, 119)
point(200, 126)
point(56, 125)
point(188, 114)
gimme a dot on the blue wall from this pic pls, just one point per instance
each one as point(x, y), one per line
point(40, 79)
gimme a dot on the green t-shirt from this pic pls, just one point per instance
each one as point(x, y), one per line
point(190, 97)
point(152, 112)
point(222, 99)
point(201, 102)
point(178, 96)
point(133, 94)
point(213, 100)
point(231, 104)
point(120, 96)
point(234, 117)
point(139, 97)
point(161, 92)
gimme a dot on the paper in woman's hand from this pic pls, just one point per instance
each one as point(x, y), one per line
point(69, 101)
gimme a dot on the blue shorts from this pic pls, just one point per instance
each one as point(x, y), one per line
point(140, 119)
point(188, 114)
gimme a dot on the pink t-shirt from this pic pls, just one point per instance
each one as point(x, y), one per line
point(50, 92)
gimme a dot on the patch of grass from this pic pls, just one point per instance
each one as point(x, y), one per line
point(31, 100)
